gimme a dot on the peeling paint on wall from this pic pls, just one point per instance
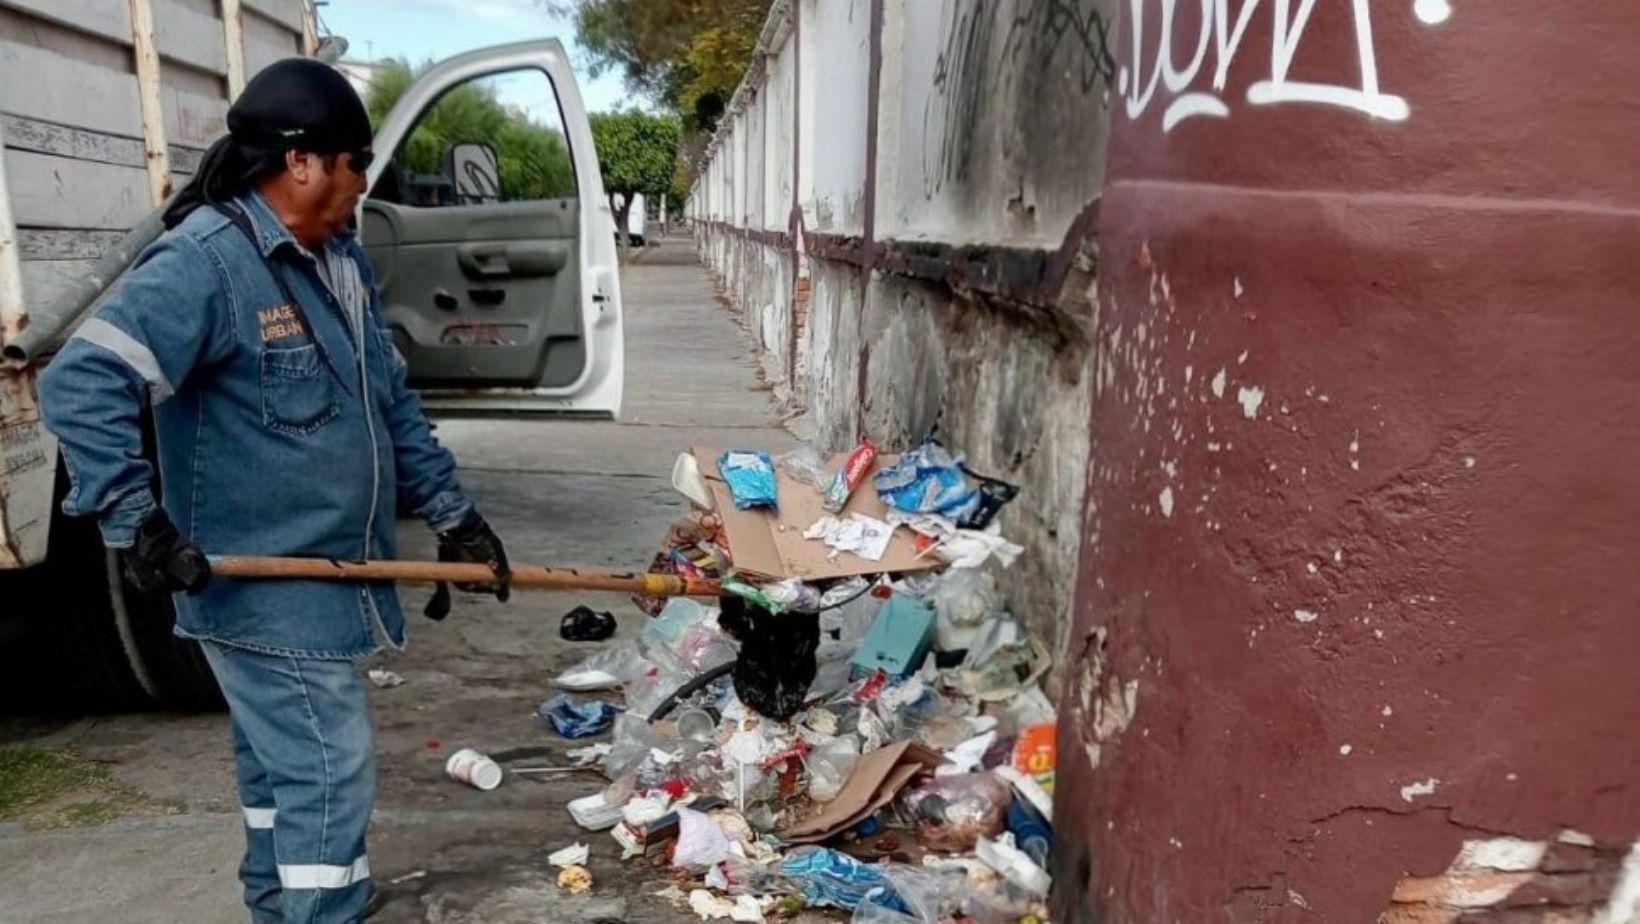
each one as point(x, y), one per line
point(1529, 882)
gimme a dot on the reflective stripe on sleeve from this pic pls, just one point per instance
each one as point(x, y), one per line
point(260, 819)
point(130, 351)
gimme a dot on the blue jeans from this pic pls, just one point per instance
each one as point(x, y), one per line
point(307, 780)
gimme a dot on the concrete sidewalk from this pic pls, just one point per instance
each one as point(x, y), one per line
point(593, 494)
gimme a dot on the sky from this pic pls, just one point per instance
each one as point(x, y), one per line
point(419, 30)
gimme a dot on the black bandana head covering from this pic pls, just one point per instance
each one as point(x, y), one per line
point(297, 104)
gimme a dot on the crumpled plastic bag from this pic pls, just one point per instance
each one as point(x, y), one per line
point(633, 740)
point(958, 547)
point(845, 619)
point(963, 599)
point(776, 665)
point(1014, 864)
point(912, 895)
point(573, 719)
point(826, 877)
point(583, 624)
point(652, 685)
point(829, 764)
point(701, 843)
point(806, 464)
point(605, 670)
point(927, 479)
point(953, 812)
point(1001, 663)
point(972, 548)
point(684, 639)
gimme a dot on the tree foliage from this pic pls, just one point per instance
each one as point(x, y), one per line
point(638, 154)
point(636, 150)
point(686, 55)
point(534, 159)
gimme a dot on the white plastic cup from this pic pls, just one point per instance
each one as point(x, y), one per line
point(474, 769)
point(696, 725)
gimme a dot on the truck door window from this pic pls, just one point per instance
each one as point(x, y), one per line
point(496, 138)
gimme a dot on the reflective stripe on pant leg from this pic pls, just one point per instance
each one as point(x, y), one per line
point(307, 722)
point(323, 876)
point(330, 883)
point(258, 870)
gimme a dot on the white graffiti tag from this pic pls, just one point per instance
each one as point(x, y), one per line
point(1223, 34)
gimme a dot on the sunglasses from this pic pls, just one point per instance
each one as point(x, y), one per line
point(360, 161)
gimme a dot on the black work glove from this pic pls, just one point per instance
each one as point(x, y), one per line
point(471, 540)
point(160, 559)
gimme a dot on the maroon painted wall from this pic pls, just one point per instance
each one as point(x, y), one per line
point(1331, 629)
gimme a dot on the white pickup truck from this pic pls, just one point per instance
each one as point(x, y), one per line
point(500, 283)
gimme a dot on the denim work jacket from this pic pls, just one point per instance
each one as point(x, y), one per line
point(281, 430)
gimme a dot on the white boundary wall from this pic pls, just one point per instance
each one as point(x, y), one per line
point(899, 201)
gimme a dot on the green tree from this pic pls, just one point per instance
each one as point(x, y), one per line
point(534, 159)
point(687, 56)
point(638, 154)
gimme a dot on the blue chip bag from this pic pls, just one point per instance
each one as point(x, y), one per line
point(827, 877)
point(927, 479)
point(751, 479)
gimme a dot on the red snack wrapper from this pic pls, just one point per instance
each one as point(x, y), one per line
point(849, 476)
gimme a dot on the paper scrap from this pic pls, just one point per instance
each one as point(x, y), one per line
point(744, 908)
point(384, 678)
point(673, 894)
point(709, 906)
point(641, 810)
point(589, 755)
point(961, 548)
point(867, 537)
point(573, 855)
point(967, 756)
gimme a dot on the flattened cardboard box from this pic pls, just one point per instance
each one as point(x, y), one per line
point(876, 779)
point(772, 546)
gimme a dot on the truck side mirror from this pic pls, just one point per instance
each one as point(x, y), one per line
point(474, 170)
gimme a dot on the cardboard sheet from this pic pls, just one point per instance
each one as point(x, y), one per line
point(772, 546)
point(876, 779)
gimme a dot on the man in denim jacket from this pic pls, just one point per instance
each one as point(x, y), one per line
point(284, 427)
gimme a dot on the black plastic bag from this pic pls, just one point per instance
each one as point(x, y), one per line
point(776, 666)
point(583, 625)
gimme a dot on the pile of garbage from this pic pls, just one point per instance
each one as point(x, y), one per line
point(855, 723)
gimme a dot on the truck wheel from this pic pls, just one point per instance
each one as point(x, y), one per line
point(172, 671)
point(81, 647)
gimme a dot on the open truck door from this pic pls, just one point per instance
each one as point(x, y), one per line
point(485, 223)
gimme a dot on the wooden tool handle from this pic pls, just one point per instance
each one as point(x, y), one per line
point(427, 572)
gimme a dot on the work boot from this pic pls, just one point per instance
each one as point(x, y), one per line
point(377, 901)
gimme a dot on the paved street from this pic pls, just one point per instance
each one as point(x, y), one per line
point(562, 492)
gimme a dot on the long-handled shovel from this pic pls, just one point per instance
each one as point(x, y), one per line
point(534, 577)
